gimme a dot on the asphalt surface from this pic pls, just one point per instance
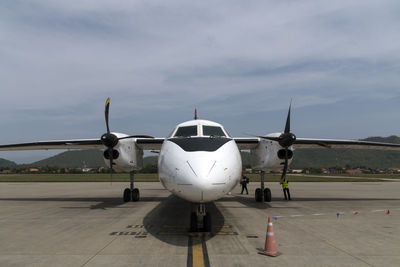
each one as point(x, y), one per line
point(87, 224)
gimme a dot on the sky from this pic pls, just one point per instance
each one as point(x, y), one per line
point(238, 62)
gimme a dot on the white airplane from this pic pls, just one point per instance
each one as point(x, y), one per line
point(199, 161)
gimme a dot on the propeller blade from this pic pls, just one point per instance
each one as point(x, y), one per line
point(287, 125)
point(285, 167)
point(106, 111)
point(110, 155)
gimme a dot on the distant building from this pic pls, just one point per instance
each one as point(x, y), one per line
point(396, 170)
point(33, 170)
point(297, 171)
point(356, 171)
point(90, 169)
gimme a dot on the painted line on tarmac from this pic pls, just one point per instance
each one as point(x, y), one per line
point(197, 252)
point(337, 214)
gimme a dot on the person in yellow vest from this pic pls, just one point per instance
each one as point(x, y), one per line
point(285, 186)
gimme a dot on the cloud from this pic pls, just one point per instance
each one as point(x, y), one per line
point(60, 60)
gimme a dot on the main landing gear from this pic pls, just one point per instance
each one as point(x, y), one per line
point(263, 194)
point(131, 193)
point(202, 218)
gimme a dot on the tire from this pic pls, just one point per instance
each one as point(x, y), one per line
point(267, 195)
point(193, 222)
point(207, 222)
point(135, 195)
point(127, 195)
point(258, 195)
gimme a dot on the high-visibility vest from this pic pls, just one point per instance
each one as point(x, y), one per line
point(285, 184)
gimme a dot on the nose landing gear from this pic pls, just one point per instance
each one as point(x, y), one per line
point(131, 193)
point(200, 218)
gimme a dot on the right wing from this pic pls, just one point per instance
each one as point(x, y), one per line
point(143, 143)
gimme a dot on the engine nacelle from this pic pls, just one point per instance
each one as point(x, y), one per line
point(127, 156)
point(269, 155)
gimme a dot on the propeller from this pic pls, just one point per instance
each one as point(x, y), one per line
point(286, 139)
point(110, 140)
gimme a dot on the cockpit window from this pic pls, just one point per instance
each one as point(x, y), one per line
point(186, 131)
point(213, 131)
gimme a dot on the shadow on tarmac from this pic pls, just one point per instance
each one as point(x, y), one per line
point(104, 203)
point(247, 201)
point(169, 221)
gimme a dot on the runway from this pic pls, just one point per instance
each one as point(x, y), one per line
point(87, 224)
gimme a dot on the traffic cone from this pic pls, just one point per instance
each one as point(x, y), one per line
point(270, 245)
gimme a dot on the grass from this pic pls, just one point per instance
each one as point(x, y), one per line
point(363, 175)
point(153, 177)
point(277, 177)
point(92, 177)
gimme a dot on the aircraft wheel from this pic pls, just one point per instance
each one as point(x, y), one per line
point(267, 195)
point(127, 195)
point(258, 195)
point(207, 222)
point(135, 195)
point(193, 222)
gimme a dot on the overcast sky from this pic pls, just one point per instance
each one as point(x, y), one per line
point(238, 62)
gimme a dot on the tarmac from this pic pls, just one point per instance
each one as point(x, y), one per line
point(88, 224)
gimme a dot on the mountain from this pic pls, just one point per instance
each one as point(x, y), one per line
point(7, 163)
point(150, 160)
point(318, 158)
point(73, 159)
point(303, 158)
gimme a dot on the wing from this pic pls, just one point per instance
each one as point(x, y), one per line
point(56, 144)
point(337, 143)
point(252, 142)
point(245, 143)
point(143, 143)
point(150, 143)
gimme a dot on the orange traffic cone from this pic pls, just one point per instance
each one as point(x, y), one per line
point(270, 245)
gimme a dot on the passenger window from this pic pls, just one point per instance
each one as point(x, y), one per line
point(212, 131)
point(186, 131)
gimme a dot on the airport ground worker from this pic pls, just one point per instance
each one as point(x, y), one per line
point(285, 186)
point(244, 181)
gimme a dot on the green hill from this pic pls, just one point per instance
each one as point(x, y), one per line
point(303, 158)
point(73, 159)
point(77, 159)
point(318, 158)
point(150, 160)
point(7, 163)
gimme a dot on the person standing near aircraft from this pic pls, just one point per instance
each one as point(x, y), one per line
point(244, 181)
point(285, 186)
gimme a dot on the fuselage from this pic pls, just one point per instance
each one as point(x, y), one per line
point(199, 161)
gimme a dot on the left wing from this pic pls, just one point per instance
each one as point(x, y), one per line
point(252, 142)
point(337, 143)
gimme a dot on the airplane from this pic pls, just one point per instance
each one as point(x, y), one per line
point(199, 161)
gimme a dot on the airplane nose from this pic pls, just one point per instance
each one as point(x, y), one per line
point(207, 177)
point(207, 171)
point(200, 176)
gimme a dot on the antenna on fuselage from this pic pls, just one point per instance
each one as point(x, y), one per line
point(195, 113)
